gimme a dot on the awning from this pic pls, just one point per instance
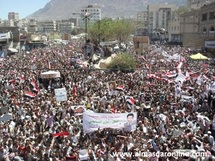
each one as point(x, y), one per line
point(13, 50)
point(198, 56)
point(50, 74)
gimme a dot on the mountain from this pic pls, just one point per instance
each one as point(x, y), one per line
point(63, 9)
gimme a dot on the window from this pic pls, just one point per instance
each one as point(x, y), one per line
point(204, 17)
point(212, 15)
point(204, 30)
point(212, 30)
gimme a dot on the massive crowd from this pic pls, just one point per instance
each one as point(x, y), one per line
point(170, 114)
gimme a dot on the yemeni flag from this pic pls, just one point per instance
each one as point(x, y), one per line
point(130, 101)
point(60, 134)
point(21, 79)
point(49, 65)
point(30, 94)
point(12, 81)
point(171, 74)
point(35, 86)
point(147, 66)
point(74, 90)
point(120, 88)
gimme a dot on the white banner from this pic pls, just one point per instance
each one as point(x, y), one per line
point(60, 94)
point(4, 36)
point(83, 154)
point(94, 121)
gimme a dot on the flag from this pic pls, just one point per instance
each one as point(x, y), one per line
point(171, 74)
point(30, 94)
point(21, 79)
point(60, 134)
point(130, 101)
point(179, 65)
point(147, 66)
point(12, 81)
point(187, 75)
point(113, 110)
point(35, 86)
point(74, 90)
point(120, 88)
point(49, 65)
point(205, 77)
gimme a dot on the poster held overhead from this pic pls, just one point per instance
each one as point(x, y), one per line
point(60, 94)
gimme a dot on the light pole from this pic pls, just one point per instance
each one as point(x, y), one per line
point(19, 40)
point(85, 17)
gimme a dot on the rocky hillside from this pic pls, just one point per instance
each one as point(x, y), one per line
point(63, 9)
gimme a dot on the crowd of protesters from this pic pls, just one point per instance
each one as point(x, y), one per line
point(41, 129)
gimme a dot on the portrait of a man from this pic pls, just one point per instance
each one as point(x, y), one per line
point(130, 125)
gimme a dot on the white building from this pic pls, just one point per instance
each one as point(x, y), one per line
point(13, 16)
point(159, 16)
point(65, 26)
point(89, 14)
point(32, 26)
point(47, 26)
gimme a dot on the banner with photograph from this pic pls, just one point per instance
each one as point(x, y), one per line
point(94, 121)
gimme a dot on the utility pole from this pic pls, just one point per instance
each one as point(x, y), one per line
point(85, 17)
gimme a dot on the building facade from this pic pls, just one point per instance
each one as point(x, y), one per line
point(89, 14)
point(65, 26)
point(207, 25)
point(189, 28)
point(141, 20)
point(48, 26)
point(13, 16)
point(197, 4)
point(174, 34)
point(32, 26)
point(159, 16)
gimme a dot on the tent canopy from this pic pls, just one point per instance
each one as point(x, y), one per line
point(198, 56)
point(50, 74)
point(13, 50)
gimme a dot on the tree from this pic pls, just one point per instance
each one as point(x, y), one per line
point(124, 62)
point(108, 29)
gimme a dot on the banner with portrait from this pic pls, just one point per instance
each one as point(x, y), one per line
point(94, 121)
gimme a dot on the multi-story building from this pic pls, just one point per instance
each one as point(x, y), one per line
point(32, 26)
point(174, 34)
point(89, 14)
point(47, 26)
point(159, 16)
point(13, 16)
point(9, 23)
point(189, 28)
point(207, 25)
point(65, 26)
point(142, 19)
point(197, 4)
point(198, 27)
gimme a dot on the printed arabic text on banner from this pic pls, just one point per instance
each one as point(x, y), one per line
point(60, 94)
point(94, 121)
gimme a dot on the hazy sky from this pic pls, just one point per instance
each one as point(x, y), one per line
point(23, 7)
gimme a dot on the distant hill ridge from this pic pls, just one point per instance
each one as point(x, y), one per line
point(63, 9)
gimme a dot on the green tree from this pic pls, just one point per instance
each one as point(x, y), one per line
point(124, 62)
point(108, 29)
